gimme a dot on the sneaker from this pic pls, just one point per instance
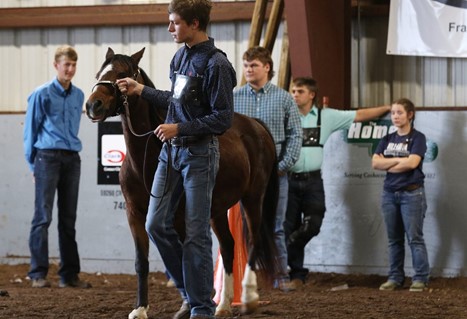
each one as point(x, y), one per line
point(390, 285)
point(417, 286)
point(76, 283)
point(40, 283)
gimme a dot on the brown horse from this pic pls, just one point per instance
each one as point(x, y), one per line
point(247, 173)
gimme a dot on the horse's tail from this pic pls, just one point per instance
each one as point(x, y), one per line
point(267, 252)
point(268, 225)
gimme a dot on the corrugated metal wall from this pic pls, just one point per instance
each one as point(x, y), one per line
point(26, 59)
point(380, 78)
point(26, 55)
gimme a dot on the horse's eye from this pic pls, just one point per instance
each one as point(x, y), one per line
point(121, 75)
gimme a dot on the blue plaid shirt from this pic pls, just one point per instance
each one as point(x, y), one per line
point(277, 109)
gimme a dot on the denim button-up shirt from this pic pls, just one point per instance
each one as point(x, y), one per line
point(52, 119)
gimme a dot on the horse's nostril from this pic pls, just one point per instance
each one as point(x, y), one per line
point(93, 105)
point(94, 109)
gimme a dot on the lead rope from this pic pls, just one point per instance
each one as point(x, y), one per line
point(126, 106)
point(128, 118)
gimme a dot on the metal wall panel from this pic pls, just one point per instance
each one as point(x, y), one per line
point(26, 55)
point(378, 78)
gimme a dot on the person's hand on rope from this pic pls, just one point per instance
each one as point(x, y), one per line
point(165, 132)
point(129, 86)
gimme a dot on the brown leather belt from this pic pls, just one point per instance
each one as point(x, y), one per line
point(191, 140)
point(411, 187)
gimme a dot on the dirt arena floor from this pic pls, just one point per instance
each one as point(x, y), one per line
point(113, 296)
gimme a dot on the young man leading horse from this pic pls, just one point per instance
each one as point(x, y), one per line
point(200, 107)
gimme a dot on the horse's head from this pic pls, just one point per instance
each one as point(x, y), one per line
point(106, 100)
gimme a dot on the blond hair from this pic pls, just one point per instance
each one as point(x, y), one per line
point(66, 50)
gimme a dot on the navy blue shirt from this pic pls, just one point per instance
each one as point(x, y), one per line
point(394, 145)
point(215, 114)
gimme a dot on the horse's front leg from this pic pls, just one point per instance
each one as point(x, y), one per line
point(250, 296)
point(141, 266)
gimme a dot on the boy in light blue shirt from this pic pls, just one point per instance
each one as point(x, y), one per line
point(51, 147)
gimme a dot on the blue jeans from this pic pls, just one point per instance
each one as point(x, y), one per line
point(279, 235)
point(55, 171)
point(305, 213)
point(404, 213)
point(190, 171)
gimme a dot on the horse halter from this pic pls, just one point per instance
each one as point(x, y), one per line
point(111, 83)
point(116, 91)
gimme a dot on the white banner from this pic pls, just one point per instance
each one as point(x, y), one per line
point(428, 28)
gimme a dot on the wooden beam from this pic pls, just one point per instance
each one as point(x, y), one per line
point(257, 21)
point(370, 7)
point(256, 27)
point(114, 15)
point(283, 75)
point(320, 45)
point(273, 24)
point(298, 26)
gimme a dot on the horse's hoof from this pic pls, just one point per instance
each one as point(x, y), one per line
point(223, 314)
point(139, 313)
point(249, 308)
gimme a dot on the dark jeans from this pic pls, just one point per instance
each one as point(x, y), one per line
point(55, 171)
point(305, 213)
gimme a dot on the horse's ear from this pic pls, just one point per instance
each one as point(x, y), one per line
point(110, 53)
point(137, 56)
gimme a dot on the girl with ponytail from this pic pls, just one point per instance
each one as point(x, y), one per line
point(403, 201)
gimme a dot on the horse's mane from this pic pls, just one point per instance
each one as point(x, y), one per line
point(156, 113)
point(146, 79)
